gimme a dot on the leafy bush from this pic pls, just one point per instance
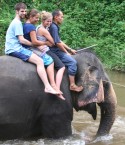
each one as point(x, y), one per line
point(86, 23)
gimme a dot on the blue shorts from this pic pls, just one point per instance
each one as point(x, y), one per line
point(47, 59)
point(23, 54)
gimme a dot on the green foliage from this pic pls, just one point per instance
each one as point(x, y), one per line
point(7, 14)
point(100, 22)
point(5, 19)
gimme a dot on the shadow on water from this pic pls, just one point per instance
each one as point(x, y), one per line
point(84, 127)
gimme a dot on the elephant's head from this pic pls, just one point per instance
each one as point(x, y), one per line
point(92, 91)
point(96, 89)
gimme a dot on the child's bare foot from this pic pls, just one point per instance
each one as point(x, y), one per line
point(74, 87)
point(57, 89)
point(61, 97)
point(51, 91)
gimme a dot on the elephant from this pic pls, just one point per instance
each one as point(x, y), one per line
point(27, 112)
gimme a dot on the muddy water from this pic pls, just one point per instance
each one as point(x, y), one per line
point(84, 127)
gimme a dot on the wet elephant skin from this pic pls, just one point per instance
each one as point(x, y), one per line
point(27, 112)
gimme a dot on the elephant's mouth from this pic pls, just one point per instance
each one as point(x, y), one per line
point(97, 97)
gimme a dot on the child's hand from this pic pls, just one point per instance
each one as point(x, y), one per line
point(42, 47)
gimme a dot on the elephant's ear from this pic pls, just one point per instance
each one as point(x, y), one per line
point(92, 87)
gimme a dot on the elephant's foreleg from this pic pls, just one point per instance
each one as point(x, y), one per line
point(56, 127)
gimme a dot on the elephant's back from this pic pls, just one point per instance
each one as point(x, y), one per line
point(10, 66)
point(17, 76)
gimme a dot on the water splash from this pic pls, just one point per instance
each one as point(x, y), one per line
point(83, 135)
point(73, 142)
point(104, 138)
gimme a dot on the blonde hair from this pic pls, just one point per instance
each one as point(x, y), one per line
point(45, 15)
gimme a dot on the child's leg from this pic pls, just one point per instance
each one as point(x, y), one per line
point(48, 62)
point(50, 71)
point(42, 73)
point(59, 66)
point(59, 76)
point(27, 55)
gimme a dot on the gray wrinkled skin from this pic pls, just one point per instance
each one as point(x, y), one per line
point(27, 112)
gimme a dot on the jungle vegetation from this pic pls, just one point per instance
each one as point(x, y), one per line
point(86, 22)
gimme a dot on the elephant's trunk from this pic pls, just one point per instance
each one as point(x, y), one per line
point(108, 110)
point(107, 118)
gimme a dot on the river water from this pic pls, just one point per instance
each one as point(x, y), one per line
point(84, 127)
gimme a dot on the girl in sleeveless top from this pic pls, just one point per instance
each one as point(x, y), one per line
point(30, 34)
point(44, 35)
